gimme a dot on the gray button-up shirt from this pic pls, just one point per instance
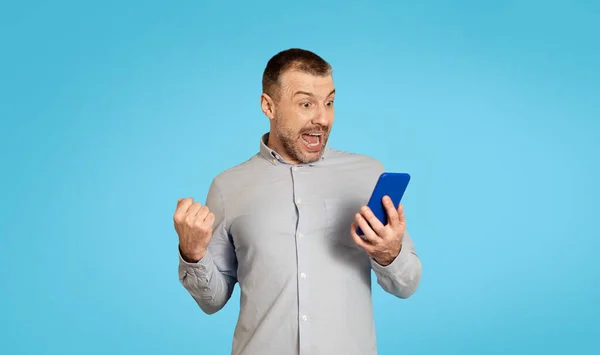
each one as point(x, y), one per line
point(282, 232)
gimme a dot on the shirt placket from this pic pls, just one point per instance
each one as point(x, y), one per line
point(302, 256)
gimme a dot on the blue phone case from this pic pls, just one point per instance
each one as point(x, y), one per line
point(391, 184)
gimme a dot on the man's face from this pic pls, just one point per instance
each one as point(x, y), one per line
point(303, 116)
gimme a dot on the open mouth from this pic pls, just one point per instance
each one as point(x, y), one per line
point(313, 140)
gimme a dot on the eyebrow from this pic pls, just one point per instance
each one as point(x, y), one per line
point(310, 94)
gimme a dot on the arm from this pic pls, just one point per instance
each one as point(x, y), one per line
point(401, 277)
point(210, 281)
point(390, 248)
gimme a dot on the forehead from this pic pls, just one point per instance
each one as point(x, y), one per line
point(293, 81)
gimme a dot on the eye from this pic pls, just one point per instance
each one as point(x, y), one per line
point(330, 103)
point(305, 104)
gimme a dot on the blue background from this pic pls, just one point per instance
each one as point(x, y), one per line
point(110, 111)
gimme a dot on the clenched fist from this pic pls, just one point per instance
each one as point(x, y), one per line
point(194, 225)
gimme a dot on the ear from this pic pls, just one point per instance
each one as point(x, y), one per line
point(268, 106)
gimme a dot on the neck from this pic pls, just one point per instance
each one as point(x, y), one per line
point(275, 144)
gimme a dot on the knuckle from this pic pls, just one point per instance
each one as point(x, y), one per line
point(190, 221)
point(179, 218)
point(186, 201)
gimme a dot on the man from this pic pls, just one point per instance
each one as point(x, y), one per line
point(282, 225)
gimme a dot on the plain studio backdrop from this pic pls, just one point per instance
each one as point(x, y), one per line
point(111, 111)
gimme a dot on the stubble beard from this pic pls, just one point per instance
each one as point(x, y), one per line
point(291, 143)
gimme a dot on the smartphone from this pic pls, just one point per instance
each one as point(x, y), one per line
point(388, 184)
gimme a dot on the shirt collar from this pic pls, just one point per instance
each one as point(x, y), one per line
point(273, 157)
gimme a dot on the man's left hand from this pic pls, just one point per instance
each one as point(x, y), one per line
point(381, 242)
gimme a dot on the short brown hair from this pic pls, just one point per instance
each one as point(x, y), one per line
point(294, 58)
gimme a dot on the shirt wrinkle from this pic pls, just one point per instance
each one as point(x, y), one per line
point(282, 234)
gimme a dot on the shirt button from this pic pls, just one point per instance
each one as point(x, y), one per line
point(300, 235)
point(303, 275)
point(275, 161)
point(304, 318)
point(298, 201)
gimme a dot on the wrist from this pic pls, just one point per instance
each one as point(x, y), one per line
point(388, 259)
point(192, 257)
point(384, 262)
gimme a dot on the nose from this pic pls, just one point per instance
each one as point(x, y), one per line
point(320, 117)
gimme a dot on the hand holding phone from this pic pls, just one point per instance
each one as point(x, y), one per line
point(388, 184)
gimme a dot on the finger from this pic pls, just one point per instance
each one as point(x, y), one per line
point(209, 220)
point(182, 206)
point(401, 219)
point(202, 213)
point(390, 210)
point(374, 222)
point(193, 209)
point(369, 234)
point(184, 203)
point(358, 240)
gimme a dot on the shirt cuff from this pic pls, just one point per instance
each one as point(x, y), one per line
point(396, 265)
point(200, 267)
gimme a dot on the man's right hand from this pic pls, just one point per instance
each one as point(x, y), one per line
point(194, 226)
